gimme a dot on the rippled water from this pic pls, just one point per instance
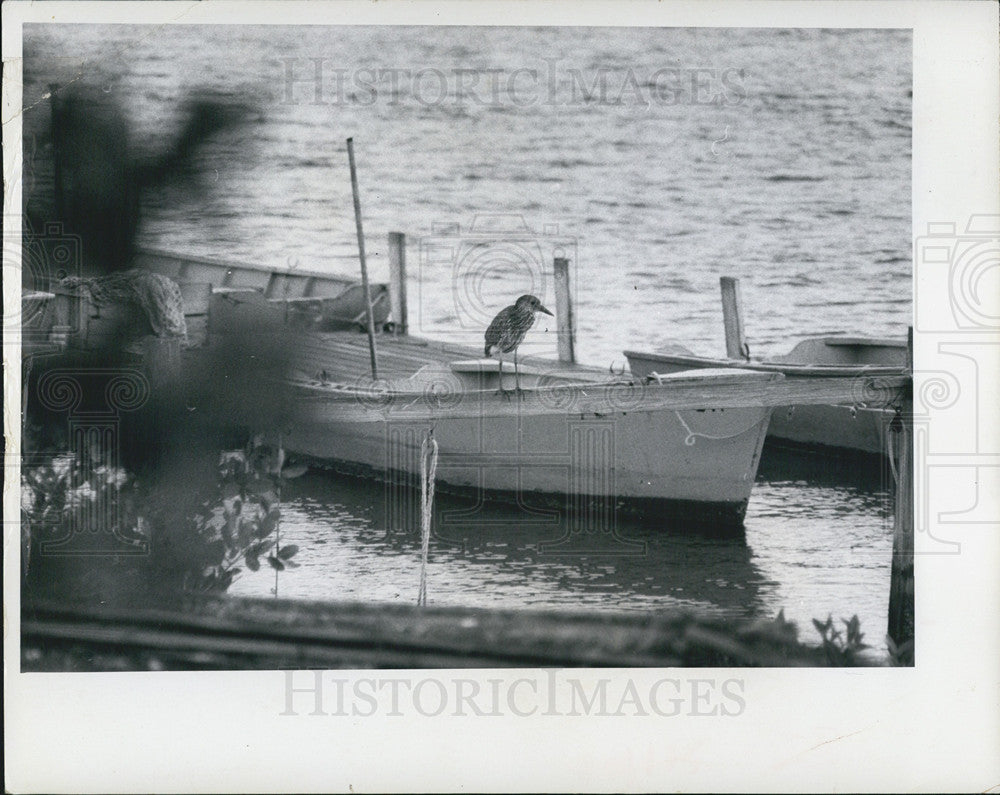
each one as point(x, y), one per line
point(797, 181)
point(816, 545)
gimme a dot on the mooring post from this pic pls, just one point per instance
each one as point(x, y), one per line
point(901, 584)
point(397, 282)
point(732, 317)
point(564, 312)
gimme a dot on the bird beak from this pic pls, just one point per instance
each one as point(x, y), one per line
point(546, 311)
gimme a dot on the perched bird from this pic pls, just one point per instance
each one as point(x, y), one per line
point(507, 331)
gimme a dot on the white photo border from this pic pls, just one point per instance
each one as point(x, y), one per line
point(935, 727)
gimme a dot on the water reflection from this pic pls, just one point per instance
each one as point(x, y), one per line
point(821, 528)
point(817, 542)
point(503, 556)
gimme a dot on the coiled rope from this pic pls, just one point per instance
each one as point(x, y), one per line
point(428, 471)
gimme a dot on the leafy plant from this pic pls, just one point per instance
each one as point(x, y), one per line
point(841, 647)
point(241, 527)
point(199, 541)
point(901, 655)
point(69, 491)
point(778, 630)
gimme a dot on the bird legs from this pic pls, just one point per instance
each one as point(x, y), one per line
point(501, 390)
point(517, 379)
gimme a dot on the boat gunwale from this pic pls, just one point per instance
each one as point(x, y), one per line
point(230, 265)
point(357, 403)
point(856, 342)
point(789, 369)
point(338, 388)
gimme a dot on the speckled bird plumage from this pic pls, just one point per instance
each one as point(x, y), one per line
point(507, 331)
point(511, 324)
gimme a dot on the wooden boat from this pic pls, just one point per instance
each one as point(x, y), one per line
point(578, 437)
point(303, 298)
point(849, 427)
point(574, 438)
point(310, 298)
point(685, 443)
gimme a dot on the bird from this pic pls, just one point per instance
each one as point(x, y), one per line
point(507, 332)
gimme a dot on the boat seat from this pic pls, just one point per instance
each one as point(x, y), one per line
point(225, 290)
point(715, 374)
point(484, 374)
point(336, 312)
point(486, 365)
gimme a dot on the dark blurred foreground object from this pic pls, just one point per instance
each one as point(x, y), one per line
point(199, 631)
point(98, 179)
point(126, 324)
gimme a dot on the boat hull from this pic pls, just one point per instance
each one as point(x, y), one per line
point(841, 427)
point(854, 429)
point(654, 464)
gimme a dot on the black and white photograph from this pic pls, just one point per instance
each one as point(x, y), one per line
point(498, 371)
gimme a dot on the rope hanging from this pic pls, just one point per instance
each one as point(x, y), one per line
point(428, 470)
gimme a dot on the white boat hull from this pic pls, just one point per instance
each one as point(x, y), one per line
point(587, 457)
point(854, 428)
point(844, 427)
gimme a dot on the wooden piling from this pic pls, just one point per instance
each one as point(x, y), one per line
point(397, 282)
point(732, 317)
point(901, 585)
point(565, 322)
